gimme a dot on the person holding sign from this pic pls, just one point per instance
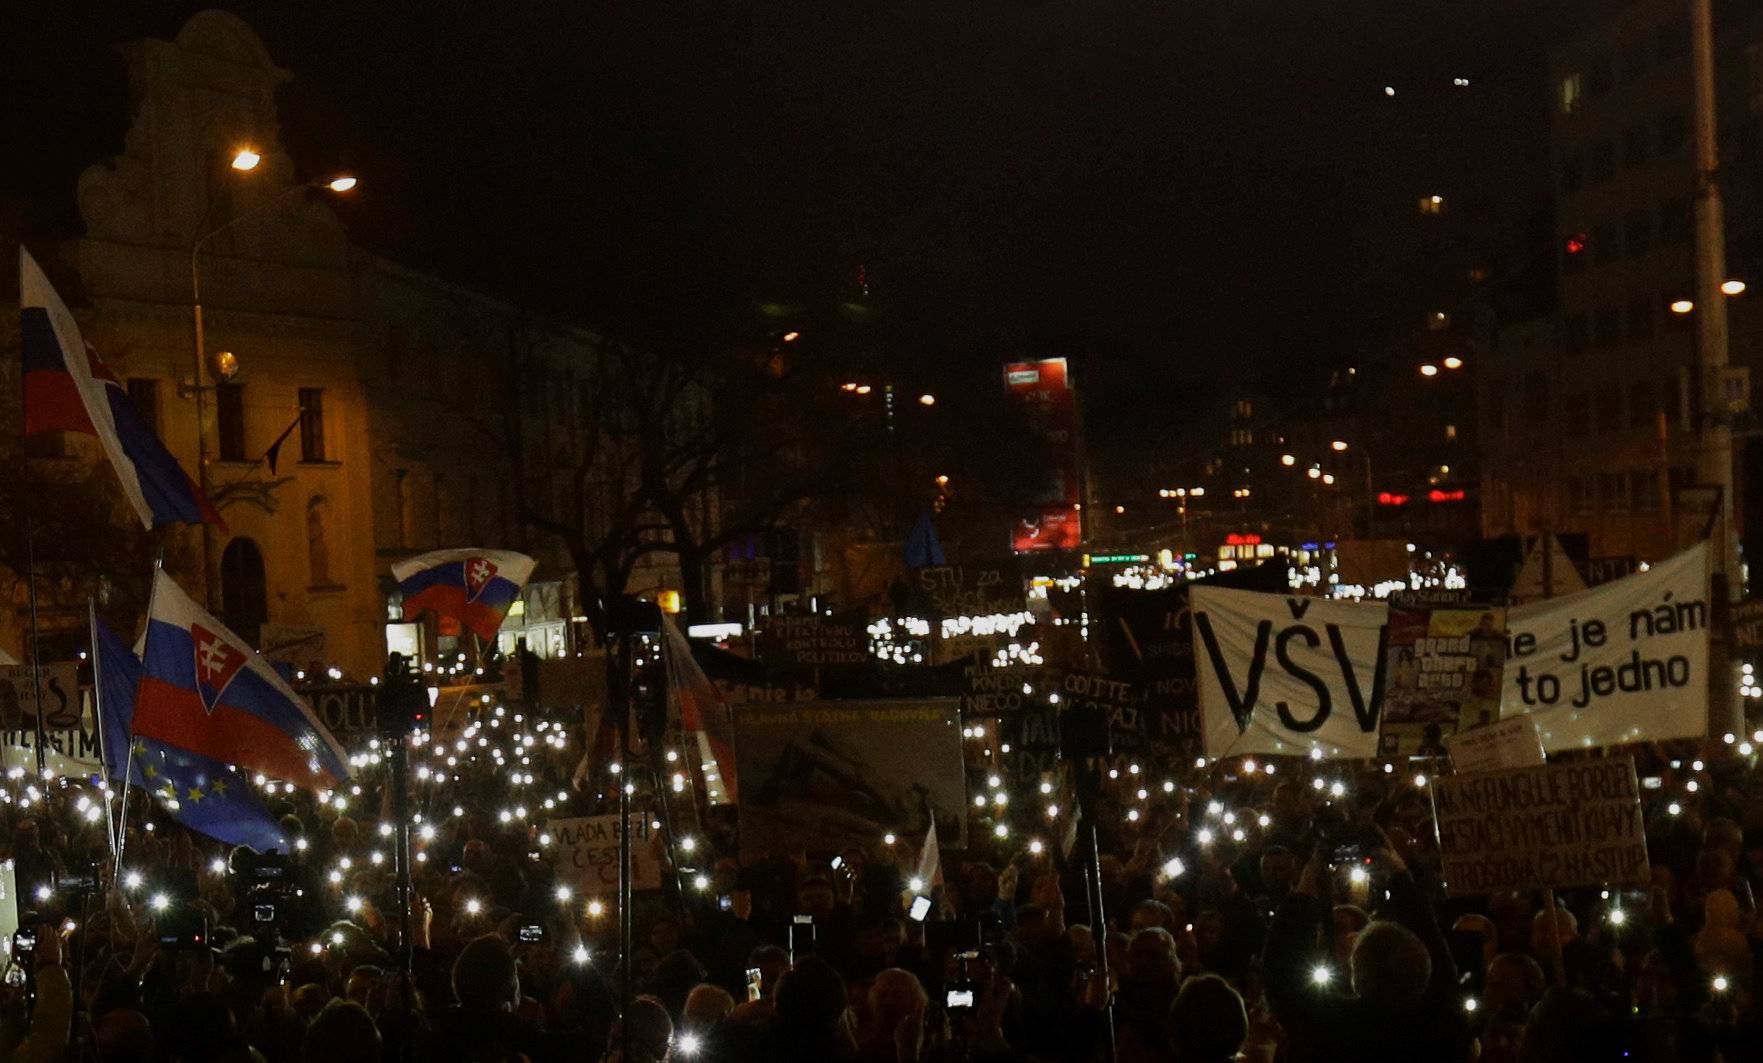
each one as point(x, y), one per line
point(1397, 1000)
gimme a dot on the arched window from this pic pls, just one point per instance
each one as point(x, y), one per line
point(244, 597)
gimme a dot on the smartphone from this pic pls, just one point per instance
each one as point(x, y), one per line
point(753, 980)
point(958, 996)
point(838, 862)
point(920, 909)
point(801, 936)
point(531, 933)
point(1652, 782)
point(725, 903)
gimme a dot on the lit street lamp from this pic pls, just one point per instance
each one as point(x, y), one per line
point(227, 365)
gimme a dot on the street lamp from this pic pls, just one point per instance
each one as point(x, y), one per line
point(1452, 362)
point(1428, 369)
point(1682, 306)
point(1288, 460)
point(227, 364)
point(1338, 445)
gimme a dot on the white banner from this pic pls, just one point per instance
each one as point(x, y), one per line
point(1624, 662)
point(1284, 674)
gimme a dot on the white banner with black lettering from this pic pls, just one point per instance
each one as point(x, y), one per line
point(1624, 662)
point(1286, 674)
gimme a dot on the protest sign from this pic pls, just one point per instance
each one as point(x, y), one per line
point(938, 592)
point(1625, 662)
point(586, 850)
point(1546, 827)
point(1510, 743)
point(824, 775)
point(1280, 674)
point(814, 640)
point(1147, 637)
point(1444, 675)
point(60, 689)
point(1747, 625)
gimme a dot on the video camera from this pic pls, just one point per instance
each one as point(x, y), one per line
point(264, 884)
point(401, 706)
point(79, 878)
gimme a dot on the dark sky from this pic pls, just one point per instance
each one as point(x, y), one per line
point(1174, 186)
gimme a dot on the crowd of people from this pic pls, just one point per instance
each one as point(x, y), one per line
point(1281, 910)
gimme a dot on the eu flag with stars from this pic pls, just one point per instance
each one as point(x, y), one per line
point(201, 793)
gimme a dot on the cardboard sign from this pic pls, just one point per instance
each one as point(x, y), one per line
point(1625, 662)
point(813, 641)
point(1747, 625)
point(1281, 674)
point(827, 774)
point(1444, 675)
point(1549, 827)
point(940, 592)
point(587, 853)
point(1510, 743)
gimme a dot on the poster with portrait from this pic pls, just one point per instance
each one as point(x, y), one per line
point(1444, 666)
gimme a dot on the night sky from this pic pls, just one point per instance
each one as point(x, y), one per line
point(1177, 190)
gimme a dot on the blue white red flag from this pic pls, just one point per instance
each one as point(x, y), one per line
point(199, 792)
point(205, 691)
point(474, 587)
point(67, 389)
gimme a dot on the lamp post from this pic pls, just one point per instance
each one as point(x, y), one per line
point(1341, 446)
point(245, 161)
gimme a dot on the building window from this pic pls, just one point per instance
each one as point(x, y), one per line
point(1640, 317)
point(1244, 409)
point(1637, 146)
point(1637, 232)
point(1613, 491)
point(1450, 433)
point(244, 594)
point(1536, 398)
point(1601, 162)
point(144, 395)
point(1577, 330)
point(1432, 204)
point(1600, 76)
point(1241, 437)
point(1674, 221)
point(1610, 409)
point(1572, 94)
point(1582, 494)
point(1671, 134)
point(1637, 59)
point(229, 416)
point(1671, 42)
point(1572, 174)
point(1576, 414)
point(318, 551)
point(1643, 404)
point(312, 424)
point(1643, 490)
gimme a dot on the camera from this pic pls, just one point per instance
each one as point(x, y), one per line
point(531, 933)
point(183, 929)
point(81, 877)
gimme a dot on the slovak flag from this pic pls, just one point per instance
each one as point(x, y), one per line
point(204, 690)
point(67, 389)
point(474, 587)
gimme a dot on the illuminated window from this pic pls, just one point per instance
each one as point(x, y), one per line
point(1572, 93)
point(1432, 204)
point(1450, 433)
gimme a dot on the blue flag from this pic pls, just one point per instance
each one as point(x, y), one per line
point(201, 793)
point(923, 548)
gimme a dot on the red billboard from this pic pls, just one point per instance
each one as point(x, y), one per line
point(1044, 389)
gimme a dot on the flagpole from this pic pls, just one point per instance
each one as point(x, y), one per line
point(42, 734)
point(98, 718)
point(128, 775)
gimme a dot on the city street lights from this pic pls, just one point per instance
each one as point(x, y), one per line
point(244, 161)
